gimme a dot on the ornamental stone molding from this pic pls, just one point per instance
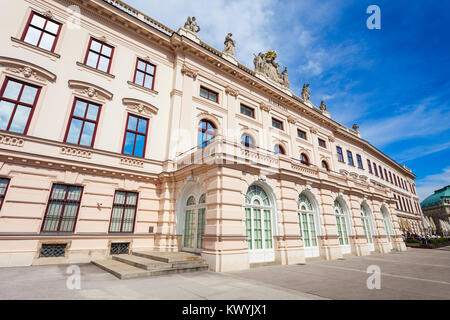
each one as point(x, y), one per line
point(27, 69)
point(291, 119)
point(188, 71)
point(11, 141)
point(132, 162)
point(264, 106)
point(331, 139)
point(90, 90)
point(140, 106)
point(76, 152)
point(231, 91)
point(313, 130)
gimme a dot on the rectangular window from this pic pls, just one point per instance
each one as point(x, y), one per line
point(369, 165)
point(381, 172)
point(359, 160)
point(41, 32)
point(350, 158)
point(250, 112)
point(135, 136)
point(145, 74)
point(99, 55)
point(396, 202)
point(3, 188)
point(123, 212)
point(62, 208)
point(208, 94)
point(277, 124)
point(322, 143)
point(395, 180)
point(390, 176)
point(385, 175)
point(375, 169)
point(301, 134)
point(17, 102)
point(340, 154)
point(83, 123)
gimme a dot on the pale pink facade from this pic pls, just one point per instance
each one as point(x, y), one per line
point(173, 168)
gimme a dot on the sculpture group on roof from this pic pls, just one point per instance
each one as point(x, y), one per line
point(265, 64)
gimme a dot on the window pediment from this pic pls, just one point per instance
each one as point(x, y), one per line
point(90, 90)
point(140, 106)
point(27, 69)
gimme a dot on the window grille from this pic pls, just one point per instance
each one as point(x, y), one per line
point(53, 250)
point(120, 248)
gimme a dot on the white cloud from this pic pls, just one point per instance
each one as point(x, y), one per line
point(312, 68)
point(249, 22)
point(420, 151)
point(418, 121)
point(427, 185)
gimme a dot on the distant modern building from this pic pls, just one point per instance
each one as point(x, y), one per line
point(437, 207)
point(119, 134)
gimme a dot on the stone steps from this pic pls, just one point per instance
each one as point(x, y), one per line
point(141, 264)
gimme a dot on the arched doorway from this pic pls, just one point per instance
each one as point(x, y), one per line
point(367, 222)
point(194, 224)
point(343, 226)
point(259, 221)
point(389, 230)
point(308, 225)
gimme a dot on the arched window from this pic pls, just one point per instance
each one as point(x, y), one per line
point(367, 224)
point(258, 221)
point(206, 132)
point(387, 223)
point(247, 141)
point(308, 225)
point(341, 223)
point(278, 148)
point(194, 225)
point(304, 159)
point(325, 165)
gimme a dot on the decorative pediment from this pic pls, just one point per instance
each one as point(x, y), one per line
point(190, 72)
point(140, 106)
point(27, 69)
point(89, 90)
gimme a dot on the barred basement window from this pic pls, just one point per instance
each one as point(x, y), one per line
point(53, 250)
point(120, 248)
point(3, 187)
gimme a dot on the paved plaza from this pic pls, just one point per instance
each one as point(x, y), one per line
point(415, 274)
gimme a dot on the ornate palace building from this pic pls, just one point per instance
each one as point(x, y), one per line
point(119, 134)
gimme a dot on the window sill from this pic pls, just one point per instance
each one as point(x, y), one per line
point(139, 87)
point(40, 50)
point(102, 73)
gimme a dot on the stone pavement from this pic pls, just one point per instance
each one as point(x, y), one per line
point(415, 274)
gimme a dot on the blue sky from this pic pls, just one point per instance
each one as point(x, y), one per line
point(394, 82)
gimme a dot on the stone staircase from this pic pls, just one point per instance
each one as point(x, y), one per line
point(141, 264)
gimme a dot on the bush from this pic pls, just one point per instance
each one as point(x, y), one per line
point(440, 240)
point(413, 241)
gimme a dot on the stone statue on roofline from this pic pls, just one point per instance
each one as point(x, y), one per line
point(230, 45)
point(305, 92)
point(323, 106)
point(191, 25)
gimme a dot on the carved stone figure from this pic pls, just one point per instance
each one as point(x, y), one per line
point(230, 45)
point(266, 65)
point(305, 92)
point(323, 106)
point(284, 77)
point(356, 127)
point(191, 25)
